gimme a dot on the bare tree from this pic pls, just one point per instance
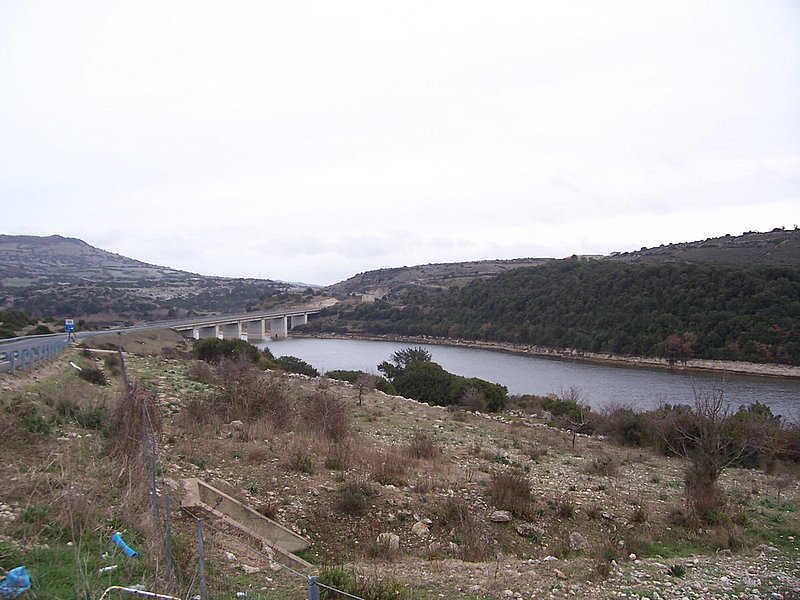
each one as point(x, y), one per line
point(577, 419)
point(579, 422)
point(710, 440)
point(365, 382)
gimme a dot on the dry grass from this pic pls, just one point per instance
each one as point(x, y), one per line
point(511, 490)
point(473, 542)
point(423, 446)
point(200, 371)
point(603, 465)
point(327, 415)
point(130, 415)
point(390, 467)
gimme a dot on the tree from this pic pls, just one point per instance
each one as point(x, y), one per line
point(401, 359)
point(711, 442)
point(407, 356)
point(579, 417)
point(680, 347)
point(365, 383)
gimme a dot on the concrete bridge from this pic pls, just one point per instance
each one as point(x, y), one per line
point(256, 325)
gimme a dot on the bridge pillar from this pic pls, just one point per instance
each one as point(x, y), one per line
point(231, 331)
point(256, 330)
point(277, 328)
point(296, 320)
point(206, 332)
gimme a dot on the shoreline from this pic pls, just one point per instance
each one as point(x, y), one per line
point(695, 364)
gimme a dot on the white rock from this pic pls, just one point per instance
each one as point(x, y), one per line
point(420, 528)
point(500, 516)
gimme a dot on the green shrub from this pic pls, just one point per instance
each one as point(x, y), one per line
point(253, 487)
point(91, 417)
point(338, 578)
point(93, 375)
point(40, 330)
point(354, 496)
point(213, 350)
point(676, 571)
point(334, 463)
point(627, 427)
point(292, 364)
point(111, 362)
point(429, 382)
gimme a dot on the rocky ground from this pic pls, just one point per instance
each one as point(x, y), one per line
point(601, 522)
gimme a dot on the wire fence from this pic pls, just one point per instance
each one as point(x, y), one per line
point(199, 567)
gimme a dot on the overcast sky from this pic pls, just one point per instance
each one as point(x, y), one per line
point(309, 141)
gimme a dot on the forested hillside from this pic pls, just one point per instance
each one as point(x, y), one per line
point(675, 310)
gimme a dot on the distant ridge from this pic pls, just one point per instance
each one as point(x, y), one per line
point(778, 247)
point(56, 276)
point(774, 248)
point(35, 260)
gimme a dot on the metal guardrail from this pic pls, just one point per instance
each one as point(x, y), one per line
point(21, 352)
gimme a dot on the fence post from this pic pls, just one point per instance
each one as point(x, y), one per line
point(201, 560)
point(313, 588)
point(124, 371)
point(168, 544)
point(149, 459)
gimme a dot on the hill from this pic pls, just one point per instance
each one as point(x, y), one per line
point(737, 299)
point(382, 282)
point(57, 277)
point(774, 248)
point(27, 260)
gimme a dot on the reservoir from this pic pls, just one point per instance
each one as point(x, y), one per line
point(599, 385)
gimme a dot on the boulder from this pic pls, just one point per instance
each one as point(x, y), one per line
point(420, 528)
point(500, 516)
point(576, 541)
point(530, 530)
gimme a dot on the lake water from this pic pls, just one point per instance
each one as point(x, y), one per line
point(599, 385)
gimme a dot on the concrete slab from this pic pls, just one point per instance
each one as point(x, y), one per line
point(282, 540)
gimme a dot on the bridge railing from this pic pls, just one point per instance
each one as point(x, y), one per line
point(21, 352)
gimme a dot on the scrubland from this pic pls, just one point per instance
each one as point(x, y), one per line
point(399, 499)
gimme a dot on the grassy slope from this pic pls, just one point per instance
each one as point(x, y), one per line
point(67, 495)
